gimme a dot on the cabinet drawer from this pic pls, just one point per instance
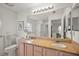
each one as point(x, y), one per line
point(38, 51)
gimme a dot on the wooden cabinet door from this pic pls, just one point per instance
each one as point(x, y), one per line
point(28, 50)
point(50, 52)
point(21, 49)
point(38, 51)
point(44, 51)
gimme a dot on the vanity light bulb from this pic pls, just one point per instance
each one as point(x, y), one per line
point(38, 10)
point(48, 8)
point(51, 8)
point(41, 9)
point(34, 12)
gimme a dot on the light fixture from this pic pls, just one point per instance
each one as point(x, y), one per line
point(42, 10)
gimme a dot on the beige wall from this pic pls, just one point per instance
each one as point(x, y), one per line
point(8, 19)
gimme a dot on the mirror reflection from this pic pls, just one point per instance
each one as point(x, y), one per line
point(49, 25)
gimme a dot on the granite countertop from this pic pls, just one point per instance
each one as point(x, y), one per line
point(72, 47)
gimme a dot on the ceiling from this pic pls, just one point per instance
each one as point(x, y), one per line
point(18, 7)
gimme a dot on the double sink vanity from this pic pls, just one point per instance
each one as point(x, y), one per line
point(47, 47)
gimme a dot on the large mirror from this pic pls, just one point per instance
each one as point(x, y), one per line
point(55, 26)
point(47, 24)
point(39, 25)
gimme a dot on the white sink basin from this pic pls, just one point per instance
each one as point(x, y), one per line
point(59, 45)
point(29, 41)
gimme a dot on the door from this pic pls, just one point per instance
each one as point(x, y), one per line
point(1, 45)
point(1, 40)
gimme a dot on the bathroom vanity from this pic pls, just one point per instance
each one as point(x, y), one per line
point(47, 47)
